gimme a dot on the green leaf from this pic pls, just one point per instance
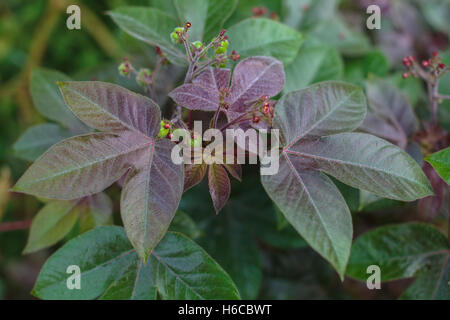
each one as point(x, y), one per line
point(52, 223)
point(365, 162)
point(304, 14)
point(336, 33)
point(36, 139)
point(437, 13)
point(441, 163)
point(111, 269)
point(48, 100)
point(432, 281)
point(207, 16)
point(264, 37)
point(229, 242)
point(151, 26)
point(399, 250)
point(403, 251)
point(184, 224)
point(315, 62)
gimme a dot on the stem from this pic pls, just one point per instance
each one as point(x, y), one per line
point(15, 225)
point(443, 96)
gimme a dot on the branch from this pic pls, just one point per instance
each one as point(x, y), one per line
point(15, 225)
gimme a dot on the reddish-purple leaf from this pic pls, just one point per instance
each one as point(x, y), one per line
point(194, 174)
point(219, 186)
point(150, 196)
point(109, 107)
point(389, 114)
point(235, 170)
point(253, 78)
point(365, 162)
point(214, 79)
point(196, 97)
point(81, 166)
point(85, 165)
point(313, 205)
point(320, 110)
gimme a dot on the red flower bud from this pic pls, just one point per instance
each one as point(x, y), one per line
point(236, 57)
point(188, 25)
point(256, 119)
point(170, 135)
point(405, 75)
point(435, 54)
point(166, 126)
point(442, 65)
point(407, 62)
point(425, 63)
point(222, 32)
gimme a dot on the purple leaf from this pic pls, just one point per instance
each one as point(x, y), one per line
point(81, 166)
point(109, 107)
point(313, 205)
point(150, 196)
point(235, 170)
point(219, 186)
point(365, 162)
point(214, 79)
point(196, 97)
point(86, 165)
point(389, 114)
point(253, 78)
point(319, 110)
point(193, 175)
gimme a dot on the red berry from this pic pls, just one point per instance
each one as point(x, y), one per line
point(442, 65)
point(425, 63)
point(170, 135)
point(237, 57)
point(407, 62)
point(435, 54)
point(158, 50)
point(256, 119)
point(188, 25)
point(405, 75)
point(222, 32)
point(265, 97)
point(166, 126)
point(225, 38)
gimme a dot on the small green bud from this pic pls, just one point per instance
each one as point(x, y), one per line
point(196, 141)
point(198, 44)
point(223, 47)
point(143, 76)
point(164, 131)
point(222, 65)
point(124, 69)
point(174, 36)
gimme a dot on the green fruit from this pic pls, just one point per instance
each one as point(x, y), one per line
point(163, 131)
point(124, 70)
point(223, 47)
point(174, 36)
point(198, 44)
point(143, 76)
point(196, 141)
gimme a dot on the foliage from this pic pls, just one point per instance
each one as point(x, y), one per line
point(356, 143)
